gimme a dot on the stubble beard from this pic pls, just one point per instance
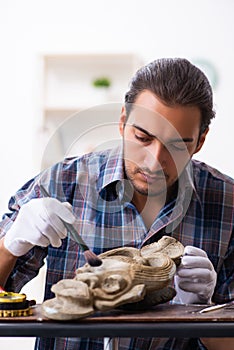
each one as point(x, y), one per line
point(147, 190)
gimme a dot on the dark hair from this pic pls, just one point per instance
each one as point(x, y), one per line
point(175, 81)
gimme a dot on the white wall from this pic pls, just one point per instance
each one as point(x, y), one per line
point(150, 28)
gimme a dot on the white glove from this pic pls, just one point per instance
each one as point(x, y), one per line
point(195, 278)
point(38, 223)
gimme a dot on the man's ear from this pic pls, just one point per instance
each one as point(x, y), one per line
point(201, 140)
point(122, 120)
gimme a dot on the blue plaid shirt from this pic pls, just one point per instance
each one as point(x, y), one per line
point(202, 215)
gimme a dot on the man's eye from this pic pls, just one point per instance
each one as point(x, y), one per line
point(142, 138)
point(176, 147)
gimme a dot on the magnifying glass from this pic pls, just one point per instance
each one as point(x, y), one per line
point(14, 304)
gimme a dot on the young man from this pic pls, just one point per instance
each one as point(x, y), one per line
point(133, 195)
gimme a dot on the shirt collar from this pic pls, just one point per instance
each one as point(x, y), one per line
point(113, 170)
point(186, 188)
point(186, 193)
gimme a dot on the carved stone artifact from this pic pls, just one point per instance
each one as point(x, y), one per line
point(128, 278)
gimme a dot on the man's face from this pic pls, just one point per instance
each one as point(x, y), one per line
point(158, 143)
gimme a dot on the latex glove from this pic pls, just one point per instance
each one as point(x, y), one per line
point(38, 223)
point(195, 278)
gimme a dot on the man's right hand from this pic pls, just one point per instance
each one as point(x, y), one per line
point(38, 223)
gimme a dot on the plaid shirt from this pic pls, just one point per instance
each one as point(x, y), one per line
point(201, 215)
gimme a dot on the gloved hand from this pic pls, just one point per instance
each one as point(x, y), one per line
point(195, 278)
point(38, 223)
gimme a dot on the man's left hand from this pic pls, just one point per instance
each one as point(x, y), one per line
point(195, 278)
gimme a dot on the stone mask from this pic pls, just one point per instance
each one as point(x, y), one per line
point(127, 277)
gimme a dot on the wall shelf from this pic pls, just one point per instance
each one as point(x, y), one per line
point(71, 104)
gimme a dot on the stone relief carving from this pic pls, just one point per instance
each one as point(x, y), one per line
point(128, 278)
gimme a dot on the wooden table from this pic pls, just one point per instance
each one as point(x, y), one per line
point(177, 320)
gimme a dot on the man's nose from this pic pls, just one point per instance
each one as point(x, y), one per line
point(155, 156)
